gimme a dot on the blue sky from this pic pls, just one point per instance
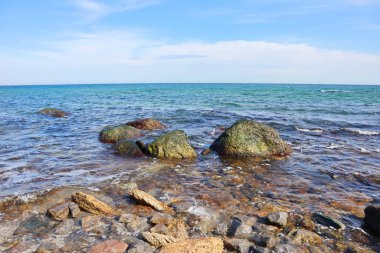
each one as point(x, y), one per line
point(117, 41)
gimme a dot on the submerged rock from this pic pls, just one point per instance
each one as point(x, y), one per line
point(53, 112)
point(372, 218)
point(327, 221)
point(113, 134)
point(172, 145)
point(146, 124)
point(248, 138)
point(128, 148)
point(109, 246)
point(147, 199)
point(92, 205)
point(200, 245)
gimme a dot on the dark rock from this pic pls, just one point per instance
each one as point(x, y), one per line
point(128, 148)
point(241, 226)
point(239, 245)
point(247, 138)
point(372, 218)
point(146, 124)
point(113, 134)
point(327, 221)
point(53, 112)
point(265, 240)
point(172, 145)
point(59, 212)
point(279, 219)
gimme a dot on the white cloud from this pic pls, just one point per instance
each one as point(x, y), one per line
point(121, 56)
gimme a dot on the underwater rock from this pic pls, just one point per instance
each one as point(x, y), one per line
point(128, 148)
point(327, 221)
point(248, 138)
point(172, 145)
point(113, 134)
point(200, 245)
point(147, 199)
point(372, 218)
point(92, 205)
point(146, 124)
point(53, 112)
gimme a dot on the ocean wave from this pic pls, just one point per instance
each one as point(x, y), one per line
point(335, 146)
point(323, 91)
point(361, 132)
point(306, 130)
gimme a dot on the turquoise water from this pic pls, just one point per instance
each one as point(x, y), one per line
point(334, 130)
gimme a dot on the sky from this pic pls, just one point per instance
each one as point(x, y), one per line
point(238, 41)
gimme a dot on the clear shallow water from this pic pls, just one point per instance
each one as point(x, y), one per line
point(334, 130)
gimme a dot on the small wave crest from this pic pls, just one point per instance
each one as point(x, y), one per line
point(327, 91)
point(361, 132)
point(312, 130)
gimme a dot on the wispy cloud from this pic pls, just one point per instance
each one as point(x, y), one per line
point(122, 56)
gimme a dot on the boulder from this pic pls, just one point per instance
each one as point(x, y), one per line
point(109, 246)
point(53, 112)
point(128, 148)
point(147, 199)
point(172, 145)
point(113, 134)
point(372, 218)
point(248, 138)
point(92, 205)
point(146, 124)
point(200, 245)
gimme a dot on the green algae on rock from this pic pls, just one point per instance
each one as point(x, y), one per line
point(172, 145)
point(53, 112)
point(248, 138)
point(113, 134)
point(128, 148)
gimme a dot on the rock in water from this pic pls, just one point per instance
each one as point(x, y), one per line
point(200, 245)
point(158, 239)
point(146, 124)
point(172, 145)
point(92, 205)
point(128, 148)
point(248, 138)
point(113, 134)
point(109, 246)
point(147, 199)
point(372, 218)
point(327, 221)
point(53, 112)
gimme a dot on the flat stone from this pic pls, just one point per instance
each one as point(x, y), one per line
point(162, 218)
point(74, 210)
point(303, 236)
point(147, 199)
point(327, 221)
point(158, 240)
point(53, 112)
point(279, 219)
point(59, 212)
point(200, 245)
point(109, 246)
point(92, 205)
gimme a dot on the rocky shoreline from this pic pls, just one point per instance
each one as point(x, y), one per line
point(158, 216)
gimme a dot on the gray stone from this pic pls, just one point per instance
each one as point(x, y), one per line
point(74, 210)
point(279, 219)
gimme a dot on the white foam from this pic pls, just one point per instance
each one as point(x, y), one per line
point(362, 132)
point(306, 130)
point(335, 91)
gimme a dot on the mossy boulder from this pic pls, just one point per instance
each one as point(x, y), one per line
point(53, 112)
point(248, 138)
point(128, 148)
point(113, 134)
point(146, 124)
point(172, 145)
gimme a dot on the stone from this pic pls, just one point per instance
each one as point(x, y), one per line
point(289, 248)
point(327, 221)
point(146, 124)
point(59, 212)
point(202, 219)
point(128, 148)
point(248, 138)
point(200, 245)
point(162, 218)
point(160, 229)
point(53, 112)
point(109, 246)
point(113, 134)
point(92, 205)
point(146, 199)
point(239, 245)
point(372, 218)
point(241, 226)
point(266, 240)
point(302, 236)
point(178, 230)
point(133, 222)
point(91, 221)
point(279, 219)
point(172, 145)
point(221, 229)
point(139, 246)
point(158, 240)
point(74, 210)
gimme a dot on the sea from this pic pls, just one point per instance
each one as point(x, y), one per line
point(334, 131)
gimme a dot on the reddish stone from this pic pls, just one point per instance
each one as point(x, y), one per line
point(109, 246)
